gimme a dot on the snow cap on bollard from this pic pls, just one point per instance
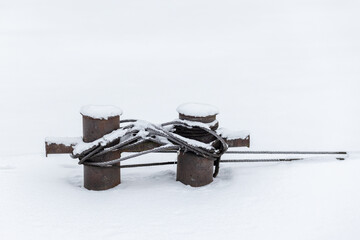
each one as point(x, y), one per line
point(197, 110)
point(100, 111)
point(99, 120)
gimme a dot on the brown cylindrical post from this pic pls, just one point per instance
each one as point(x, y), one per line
point(192, 169)
point(98, 121)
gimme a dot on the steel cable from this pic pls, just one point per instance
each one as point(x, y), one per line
point(139, 133)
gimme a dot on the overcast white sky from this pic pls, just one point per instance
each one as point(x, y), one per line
point(288, 71)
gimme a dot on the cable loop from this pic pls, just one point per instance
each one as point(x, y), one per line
point(138, 132)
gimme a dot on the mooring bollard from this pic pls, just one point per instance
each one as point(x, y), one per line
point(99, 145)
point(98, 121)
point(192, 169)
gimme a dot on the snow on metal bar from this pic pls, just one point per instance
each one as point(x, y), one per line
point(231, 134)
point(235, 138)
point(58, 145)
point(66, 141)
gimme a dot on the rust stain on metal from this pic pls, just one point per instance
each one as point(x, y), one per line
point(101, 178)
point(59, 145)
point(54, 148)
point(192, 169)
point(239, 142)
point(96, 128)
point(208, 119)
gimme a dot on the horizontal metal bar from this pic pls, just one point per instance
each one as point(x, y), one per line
point(53, 148)
point(239, 142)
point(261, 160)
point(222, 161)
point(267, 160)
point(270, 152)
point(283, 152)
point(147, 164)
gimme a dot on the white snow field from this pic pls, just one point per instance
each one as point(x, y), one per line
point(287, 71)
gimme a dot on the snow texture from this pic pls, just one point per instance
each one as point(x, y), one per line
point(231, 134)
point(83, 146)
point(100, 111)
point(67, 141)
point(313, 199)
point(197, 110)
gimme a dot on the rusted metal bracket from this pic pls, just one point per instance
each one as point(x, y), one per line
point(60, 145)
point(238, 142)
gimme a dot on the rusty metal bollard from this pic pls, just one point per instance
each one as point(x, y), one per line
point(192, 169)
point(98, 121)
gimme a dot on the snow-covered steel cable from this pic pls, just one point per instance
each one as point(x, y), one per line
point(112, 162)
point(286, 152)
point(139, 132)
point(117, 146)
point(91, 154)
point(224, 146)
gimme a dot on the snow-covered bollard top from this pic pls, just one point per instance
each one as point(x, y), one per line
point(198, 110)
point(100, 111)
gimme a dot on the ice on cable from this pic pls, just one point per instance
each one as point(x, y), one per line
point(197, 110)
point(100, 111)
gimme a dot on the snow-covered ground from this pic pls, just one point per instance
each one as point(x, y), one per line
point(313, 199)
point(288, 71)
